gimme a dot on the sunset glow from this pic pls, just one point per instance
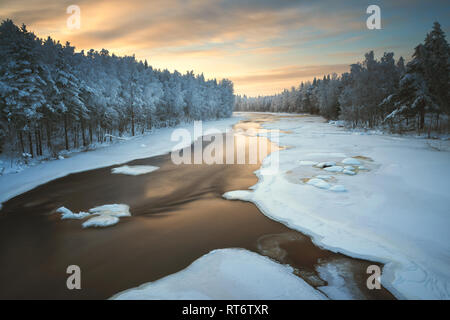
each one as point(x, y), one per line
point(262, 46)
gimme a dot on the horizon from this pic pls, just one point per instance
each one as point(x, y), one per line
point(271, 46)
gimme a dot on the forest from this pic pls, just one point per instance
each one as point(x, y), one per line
point(53, 98)
point(380, 93)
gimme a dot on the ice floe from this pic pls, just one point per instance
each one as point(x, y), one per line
point(101, 221)
point(334, 169)
point(227, 274)
point(319, 183)
point(351, 161)
point(67, 214)
point(325, 164)
point(134, 170)
point(101, 216)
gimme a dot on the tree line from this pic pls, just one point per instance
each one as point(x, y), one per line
point(53, 98)
point(375, 92)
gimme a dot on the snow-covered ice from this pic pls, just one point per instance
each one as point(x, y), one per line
point(349, 172)
point(67, 214)
point(101, 221)
point(334, 169)
point(114, 210)
point(325, 164)
point(227, 274)
point(351, 161)
point(134, 170)
point(338, 188)
point(319, 183)
point(324, 176)
point(243, 195)
point(397, 213)
point(101, 216)
point(307, 163)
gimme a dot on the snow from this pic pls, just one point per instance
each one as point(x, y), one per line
point(243, 195)
point(134, 170)
point(351, 161)
point(396, 213)
point(334, 169)
point(324, 164)
point(324, 176)
point(338, 276)
point(104, 216)
point(67, 214)
point(338, 188)
point(114, 210)
point(101, 221)
point(307, 163)
point(349, 172)
point(227, 274)
point(319, 183)
point(13, 184)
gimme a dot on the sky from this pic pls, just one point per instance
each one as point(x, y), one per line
point(262, 46)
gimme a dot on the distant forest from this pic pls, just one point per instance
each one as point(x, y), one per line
point(375, 93)
point(53, 98)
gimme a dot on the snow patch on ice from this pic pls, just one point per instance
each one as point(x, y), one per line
point(114, 210)
point(334, 169)
point(134, 170)
point(338, 188)
point(349, 172)
point(104, 216)
point(319, 183)
point(227, 274)
point(101, 221)
point(325, 164)
point(307, 163)
point(67, 214)
point(324, 176)
point(243, 195)
point(351, 161)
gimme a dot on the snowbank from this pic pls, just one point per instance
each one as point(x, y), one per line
point(134, 170)
point(158, 143)
point(227, 274)
point(395, 212)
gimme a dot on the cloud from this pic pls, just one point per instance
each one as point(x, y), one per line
point(230, 38)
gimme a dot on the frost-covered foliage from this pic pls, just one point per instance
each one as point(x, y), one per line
point(53, 98)
point(375, 92)
point(425, 87)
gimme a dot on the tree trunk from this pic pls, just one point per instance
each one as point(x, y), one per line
point(30, 142)
point(66, 136)
point(22, 147)
point(83, 133)
point(422, 119)
point(49, 136)
point(132, 122)
point(90, 132)
point(75, 136)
